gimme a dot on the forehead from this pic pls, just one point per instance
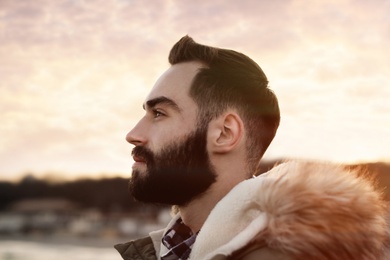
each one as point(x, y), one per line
point(175, 83)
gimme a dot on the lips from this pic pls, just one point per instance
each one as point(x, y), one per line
point(141, 155)
point(139, 159)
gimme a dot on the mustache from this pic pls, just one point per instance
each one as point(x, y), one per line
point(143, 152)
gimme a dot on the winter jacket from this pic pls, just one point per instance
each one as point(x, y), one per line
point(141, 249)
point(298, 210)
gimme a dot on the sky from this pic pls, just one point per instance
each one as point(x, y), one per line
point(74, 75)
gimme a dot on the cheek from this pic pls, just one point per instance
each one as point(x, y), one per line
point(170, 130)
point(160, 139)
point(173, 132)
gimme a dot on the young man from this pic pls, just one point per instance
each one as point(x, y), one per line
point(208, 121)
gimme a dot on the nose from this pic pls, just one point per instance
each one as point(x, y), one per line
point(136, 136)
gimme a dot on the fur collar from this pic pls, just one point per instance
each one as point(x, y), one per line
point(305, 210)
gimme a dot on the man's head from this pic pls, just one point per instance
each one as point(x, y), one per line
point(231, 80)
point(172, 153)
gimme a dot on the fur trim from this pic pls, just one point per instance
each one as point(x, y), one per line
point(305, 210)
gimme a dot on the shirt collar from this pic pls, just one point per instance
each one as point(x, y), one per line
point(178, 239)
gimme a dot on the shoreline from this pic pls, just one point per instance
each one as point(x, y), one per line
point(54, 239)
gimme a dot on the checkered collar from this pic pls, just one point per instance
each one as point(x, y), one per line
point(179, 240)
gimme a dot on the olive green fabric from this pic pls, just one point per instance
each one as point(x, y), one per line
point(141, 249)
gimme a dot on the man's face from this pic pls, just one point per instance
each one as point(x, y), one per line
point(172, 165)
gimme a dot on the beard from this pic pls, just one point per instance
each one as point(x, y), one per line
point(179, 173)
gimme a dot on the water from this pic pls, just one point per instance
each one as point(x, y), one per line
point(22, 250)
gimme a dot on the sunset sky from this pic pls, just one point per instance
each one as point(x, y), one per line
point(74, 74)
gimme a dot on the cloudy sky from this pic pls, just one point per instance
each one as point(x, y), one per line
point(74, 74)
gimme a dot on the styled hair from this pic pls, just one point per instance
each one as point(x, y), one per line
point(230, 79)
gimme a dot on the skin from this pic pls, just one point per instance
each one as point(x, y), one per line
point(170, 114)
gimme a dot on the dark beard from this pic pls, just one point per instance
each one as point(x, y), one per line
point(179, 173)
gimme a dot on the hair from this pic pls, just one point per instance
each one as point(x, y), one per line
point(231, 80)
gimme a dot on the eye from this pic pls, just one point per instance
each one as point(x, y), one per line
point(157, 113)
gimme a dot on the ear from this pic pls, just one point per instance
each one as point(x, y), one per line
point(225, 132)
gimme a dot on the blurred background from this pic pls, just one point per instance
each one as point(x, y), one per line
point(74, 75)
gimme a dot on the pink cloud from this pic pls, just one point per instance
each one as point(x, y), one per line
point(75, 73)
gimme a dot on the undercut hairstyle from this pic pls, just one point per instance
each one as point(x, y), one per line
point(231, 80)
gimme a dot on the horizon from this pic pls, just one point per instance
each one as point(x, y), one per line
point(61, 177)
point(75, 75)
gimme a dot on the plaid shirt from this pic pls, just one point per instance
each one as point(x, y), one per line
point(179, 240)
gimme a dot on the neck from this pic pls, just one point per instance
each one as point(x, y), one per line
point(230, 170)
point(196, 212)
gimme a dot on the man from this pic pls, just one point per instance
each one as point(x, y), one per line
point(208, 121)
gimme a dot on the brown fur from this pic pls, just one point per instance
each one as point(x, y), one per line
point(322, 211)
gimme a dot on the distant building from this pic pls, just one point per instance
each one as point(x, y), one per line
point(43, 215)
point(31, 206)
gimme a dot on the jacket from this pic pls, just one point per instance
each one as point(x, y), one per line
point(141, 249)
point(298, 210)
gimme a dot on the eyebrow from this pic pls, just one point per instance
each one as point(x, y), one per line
point(162, 100)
